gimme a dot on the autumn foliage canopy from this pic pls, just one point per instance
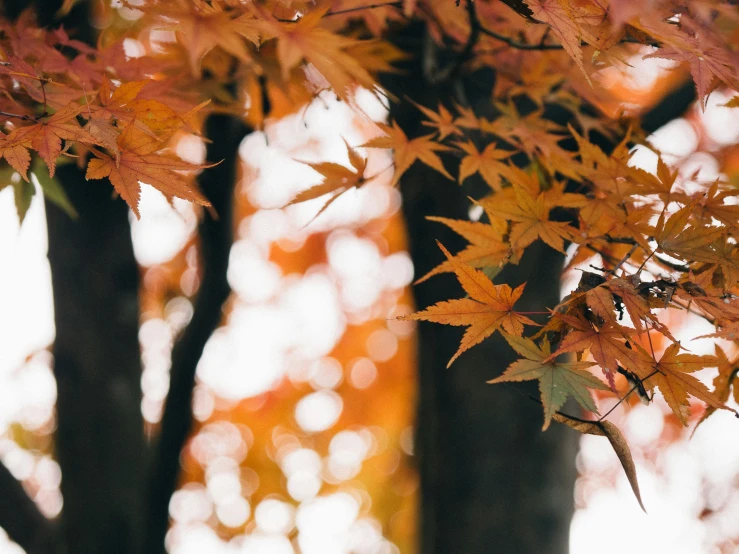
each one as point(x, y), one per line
point(656, 243)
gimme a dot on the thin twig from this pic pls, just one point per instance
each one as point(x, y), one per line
point(672, 265)
point(465, 54)
point(359, 8)
point(625, 258)
point(17, 116)
point(617, 404)
point(513, 43)
point(349, 10)
point(645, 262)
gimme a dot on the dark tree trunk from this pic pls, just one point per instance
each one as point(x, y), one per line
point(99, 441)
point(490, 480)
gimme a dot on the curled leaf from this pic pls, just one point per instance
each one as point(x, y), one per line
point(617, 440)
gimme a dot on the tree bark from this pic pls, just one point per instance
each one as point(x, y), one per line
point(490, 480)
point(22, 520)
point(99, 441)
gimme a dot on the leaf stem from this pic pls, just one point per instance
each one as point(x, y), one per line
point(349, 10)
point(625, 258)
point(17, 116)
point(632, 389)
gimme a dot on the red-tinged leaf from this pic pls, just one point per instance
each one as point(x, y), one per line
point(337, 179)
point(635, 304)
point(675, 382)
point(305, 39)
point(46, 136)
point(16, 155)
point(676, 237)
point(606, 344)
point(136, 163)
point(709, 64)
point(600, 301)
point(567, 21)
point(723, 382)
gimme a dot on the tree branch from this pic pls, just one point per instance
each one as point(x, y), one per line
point(21, 518)
point(452, 71)
point(216, 237)
point(513, 43)
point(672, 106)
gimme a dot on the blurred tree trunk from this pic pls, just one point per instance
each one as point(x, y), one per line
point(99, 439)
point(490, 480)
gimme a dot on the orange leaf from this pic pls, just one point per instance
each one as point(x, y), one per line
point(487, 163)
point(139, 164)
point(675, 382)
point(337, 179)
point(409, 151)
point(46, 136)
point(488, 308)
point(531, 219)
point(487, 248)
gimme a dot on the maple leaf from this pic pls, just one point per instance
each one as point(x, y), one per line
point(409, 151)
point(536, 136)
point(677, 238)
point(16, 155)
point(304, 39)
point(719, 304)
point(208, 26)
point(487, 248)
point(672, 375)
point(709, 63)
point(443, 121)
point(607, 345)
point(712, 203)
point(487, 163)
point(723, 382)
point(729, 332)
point(618, 442)
point(636, 305)
point(137, 163)
point(557, 380)
point(489, 307)
point(46, 136)
point(337, 179)
point(123, 105)
point(566, 19)
point(531, 219)
point(600, 302)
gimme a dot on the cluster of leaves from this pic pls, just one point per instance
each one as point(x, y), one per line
point(636, 224)
point(61, 100)
point(661, 246)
